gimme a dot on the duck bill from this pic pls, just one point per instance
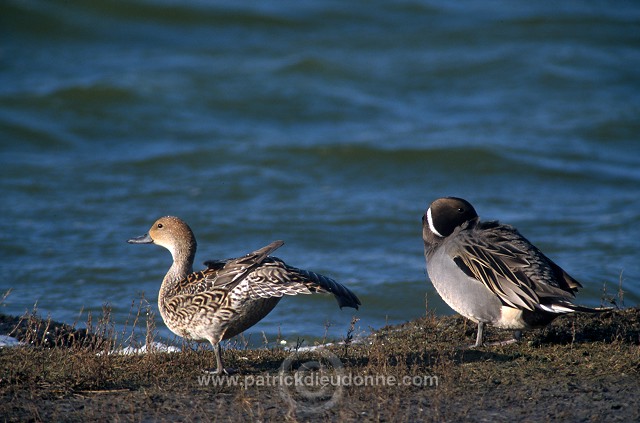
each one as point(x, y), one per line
point(144, 239)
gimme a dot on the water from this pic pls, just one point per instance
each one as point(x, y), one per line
point(330, 125)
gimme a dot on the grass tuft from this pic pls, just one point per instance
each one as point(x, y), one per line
point(67, 373)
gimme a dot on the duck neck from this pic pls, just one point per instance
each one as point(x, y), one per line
point(183, 257)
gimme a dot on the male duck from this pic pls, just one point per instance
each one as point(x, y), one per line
point(489, 273)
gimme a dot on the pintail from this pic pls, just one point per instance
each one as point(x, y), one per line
point(231, 295)
point(491, 274)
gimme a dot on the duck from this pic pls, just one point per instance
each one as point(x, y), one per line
point(228, 296)
point(491, 274)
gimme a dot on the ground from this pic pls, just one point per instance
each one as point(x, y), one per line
point(581, 368)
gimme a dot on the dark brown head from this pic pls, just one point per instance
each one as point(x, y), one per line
point(443, 216)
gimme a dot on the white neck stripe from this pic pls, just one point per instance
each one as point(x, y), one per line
point(431, 227)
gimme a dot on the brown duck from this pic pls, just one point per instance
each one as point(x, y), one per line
point(231, 295)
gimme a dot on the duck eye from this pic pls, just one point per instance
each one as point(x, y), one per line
point(160, 225)
point(460, 210)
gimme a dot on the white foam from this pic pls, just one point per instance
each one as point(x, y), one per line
point(311, 348)
point(154, 347)
point(9, 341)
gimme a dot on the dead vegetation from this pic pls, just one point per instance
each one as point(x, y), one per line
point(582, 367)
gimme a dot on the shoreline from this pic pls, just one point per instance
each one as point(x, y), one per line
point(581, 367)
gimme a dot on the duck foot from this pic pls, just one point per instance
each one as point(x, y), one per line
point(502, 343)
point(517, 337)
point(224, 372)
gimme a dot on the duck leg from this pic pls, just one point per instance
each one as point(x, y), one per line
point(219, 366)
point(220, 370)
point(480, 336)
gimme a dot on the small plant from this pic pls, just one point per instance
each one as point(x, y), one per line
point(616, 300)
point(349, 337)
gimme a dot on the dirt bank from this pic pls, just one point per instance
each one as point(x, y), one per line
point(582, 368)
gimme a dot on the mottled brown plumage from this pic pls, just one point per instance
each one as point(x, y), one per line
point(229, 296)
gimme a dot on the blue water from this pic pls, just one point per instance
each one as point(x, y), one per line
point(328, 124)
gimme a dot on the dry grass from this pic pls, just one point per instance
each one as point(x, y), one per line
point(583, 367)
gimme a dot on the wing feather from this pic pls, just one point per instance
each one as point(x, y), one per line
point(502, 261)
point(222, 274)
point(258, 275)
point(275, 279)
point(235, 270)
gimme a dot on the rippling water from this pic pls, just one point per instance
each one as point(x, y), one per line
point(330, 125)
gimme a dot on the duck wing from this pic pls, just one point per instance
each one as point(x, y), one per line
point(226, 274)
point(259, 275)
point(511, 267)
point(275, 278)
point(209, 289)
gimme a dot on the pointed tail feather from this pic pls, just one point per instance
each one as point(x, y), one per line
point(583, 309)
point(567, 307)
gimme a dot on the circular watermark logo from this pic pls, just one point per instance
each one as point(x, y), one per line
point(310, 381)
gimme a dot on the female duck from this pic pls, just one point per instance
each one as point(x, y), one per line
point(229, 296)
